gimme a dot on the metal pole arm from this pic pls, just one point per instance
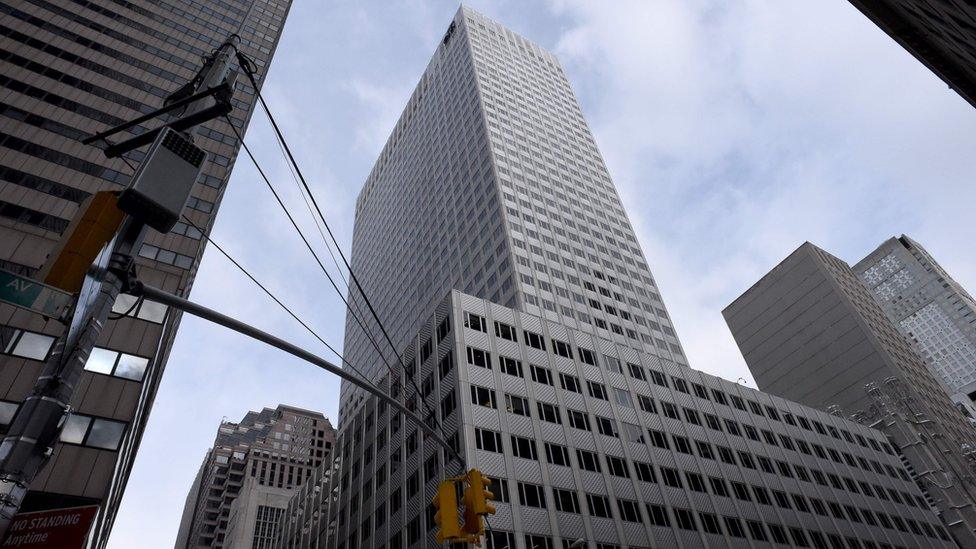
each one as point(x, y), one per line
point(166, 298)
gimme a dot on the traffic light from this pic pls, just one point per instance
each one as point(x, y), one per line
point(446, 518)
point(475, 503)
point(93, 226)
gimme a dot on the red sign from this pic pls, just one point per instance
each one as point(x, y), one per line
point(61, 528)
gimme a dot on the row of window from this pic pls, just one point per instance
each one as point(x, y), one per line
point(656, 377)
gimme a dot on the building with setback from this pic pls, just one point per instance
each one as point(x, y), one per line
point(930, 309)
point(810, 331)
point(939, 33)
point(248, 477)
point(72, 68)
point(527, 326)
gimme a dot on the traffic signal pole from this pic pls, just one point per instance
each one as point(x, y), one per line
point(35, 428)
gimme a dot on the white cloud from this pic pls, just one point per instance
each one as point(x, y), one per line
point(737, 130)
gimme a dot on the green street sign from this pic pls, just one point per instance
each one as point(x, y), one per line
point(21, 291)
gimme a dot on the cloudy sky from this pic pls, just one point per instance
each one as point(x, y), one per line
point(734, 130)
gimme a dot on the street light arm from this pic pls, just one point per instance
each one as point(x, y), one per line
point(166, 298)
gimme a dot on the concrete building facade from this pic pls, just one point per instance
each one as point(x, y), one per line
point(248, 477)
point(528, 328)
point(72, 68)
point(810, 331)
point(930, 309)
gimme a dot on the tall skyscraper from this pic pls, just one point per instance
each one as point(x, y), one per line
point(496, 251)
point(72, 68)
point(929, 308)
point(939, 33)
point(248, 477)
point(810, 331)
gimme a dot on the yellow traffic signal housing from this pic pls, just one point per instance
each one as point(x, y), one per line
point(95, 225)
point(476, 503)
point(446, 518)
point(481, 494)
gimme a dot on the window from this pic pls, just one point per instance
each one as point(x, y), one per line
point(684, 518)
point(734, 527)
point(549, 412)
point(531, 495)
point(695, 482)
point(483, 397)
point(680, 384)
point(557, 455)
point(505, 331)
point(622, 397)
point(570, 383)
point(756, 530)
point(517, 405)
point(541, 375)
point(566, 500)
point(718, 486)
point(670, 410)
point(700, 391)
point(636, 372)
point(524, 448)
point(597, 390)
point(692, 416)
point(617, 467)
point(659, 439)
point(704, 449)
point(741, 491)
point(599, 506)
point(443, 329)
point(671, 477)
point(586, 356)
point(658, 515)
point(613, 364)
point(645, 471)
point(681, 444)
point(129, 305)
point(709, 522)
point(475, 322)
point(607, 426)
point(536, 542)
point(478, 357)
point(534, 340)
point(489, 441)
point(647, 404)
point(92, 431)
point(25, 344)
point(510, 366)
point(499, 487)
point(629, 511)
point(561, 348)
point(578, 420)
point(114, 363)
point(588, 461)
point(659, 378)
point(448, 404)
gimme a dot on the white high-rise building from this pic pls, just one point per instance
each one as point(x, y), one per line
point(930, 309)
point(497, 253)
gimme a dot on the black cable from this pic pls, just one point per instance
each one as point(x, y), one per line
point(305, 240)
point(248, 68)
point(128, 311)
point(273, 297)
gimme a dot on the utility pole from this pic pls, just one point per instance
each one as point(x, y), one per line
point(149, 202)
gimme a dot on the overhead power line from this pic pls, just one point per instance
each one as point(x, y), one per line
point(248, 66)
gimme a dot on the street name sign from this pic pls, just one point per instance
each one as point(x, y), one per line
point(26, 293)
